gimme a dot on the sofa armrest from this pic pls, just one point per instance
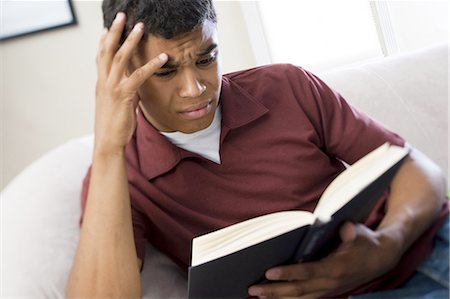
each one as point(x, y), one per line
point(40, 230)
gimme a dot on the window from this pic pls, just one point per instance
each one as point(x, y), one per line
point(319, 34)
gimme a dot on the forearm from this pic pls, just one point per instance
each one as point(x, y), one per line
point(417, 194)
point(105, 264)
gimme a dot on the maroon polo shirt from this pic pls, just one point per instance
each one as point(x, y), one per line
point(283, 135)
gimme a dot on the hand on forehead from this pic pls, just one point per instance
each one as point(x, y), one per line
point(184, 49)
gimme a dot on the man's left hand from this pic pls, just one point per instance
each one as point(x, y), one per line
point(362, 256)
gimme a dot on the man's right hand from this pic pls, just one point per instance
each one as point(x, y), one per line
point(116, 92)
point(105, 261)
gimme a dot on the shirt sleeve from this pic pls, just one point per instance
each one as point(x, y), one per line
point(139, 220)
point(140, 231)
point(345, 132)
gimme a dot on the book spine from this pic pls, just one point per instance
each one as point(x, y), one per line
point(308, 245)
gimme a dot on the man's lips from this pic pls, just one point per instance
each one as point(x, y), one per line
point(197, 111)
point(197, 107)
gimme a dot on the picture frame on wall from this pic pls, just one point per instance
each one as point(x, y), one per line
point(21, 18)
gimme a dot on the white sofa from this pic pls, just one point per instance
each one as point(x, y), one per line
point(41, 209)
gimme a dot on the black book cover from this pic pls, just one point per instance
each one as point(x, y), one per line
point(323, 238)
point(231, 275)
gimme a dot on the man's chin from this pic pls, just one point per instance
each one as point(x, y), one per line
point(199, 120)
point(198, 125)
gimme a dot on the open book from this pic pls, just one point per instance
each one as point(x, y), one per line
point(227, 261)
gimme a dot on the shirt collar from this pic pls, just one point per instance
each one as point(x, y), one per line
point(238, 107)
point(157, 155)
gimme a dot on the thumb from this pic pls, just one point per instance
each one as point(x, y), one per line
point(348, 232)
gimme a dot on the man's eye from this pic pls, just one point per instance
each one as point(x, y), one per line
point(164, 73)
point(207, 61)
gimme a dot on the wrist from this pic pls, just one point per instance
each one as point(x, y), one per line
point(392, 240)
point(104, 150)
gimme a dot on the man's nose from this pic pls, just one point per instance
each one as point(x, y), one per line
point(191, 85)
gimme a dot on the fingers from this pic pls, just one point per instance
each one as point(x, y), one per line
point(292, 281)
point(348, 232)
point(301, 280)
point(103, 38)
point(122, 57)
point(303, 271)
point(333, 274)
point(115, 32)
point(113, 61)
point(138, 77)
point(109, 45)
point(295, 289)
point(98, 58)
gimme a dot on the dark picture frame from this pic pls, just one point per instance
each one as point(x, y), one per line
point(22, 18)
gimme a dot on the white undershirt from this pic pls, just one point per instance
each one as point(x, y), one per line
point(205, 142)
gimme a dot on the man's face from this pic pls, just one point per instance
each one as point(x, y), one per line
point(183, 94)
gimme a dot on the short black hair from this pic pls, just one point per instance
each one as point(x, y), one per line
point(163, 18)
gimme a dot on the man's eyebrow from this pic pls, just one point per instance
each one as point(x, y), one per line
point(171, 64)
point(207, 50)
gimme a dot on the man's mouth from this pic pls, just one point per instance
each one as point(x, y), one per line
point(197, 111)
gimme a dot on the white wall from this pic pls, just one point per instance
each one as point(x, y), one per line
point(48, 89)
point(48, 82)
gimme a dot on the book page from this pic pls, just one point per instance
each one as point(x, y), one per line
point(233, 238)
point(355, 178)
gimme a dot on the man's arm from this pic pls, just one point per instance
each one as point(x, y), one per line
point(106, 263)
point(417, 194)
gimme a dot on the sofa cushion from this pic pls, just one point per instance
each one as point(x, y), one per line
point(40, 230)
point(408, 93)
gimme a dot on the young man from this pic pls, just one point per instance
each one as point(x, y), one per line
point(204, 151)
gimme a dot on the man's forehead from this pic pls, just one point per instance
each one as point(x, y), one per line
point(172, 47)
point(181, 49)
point(199, 39)
point(174, 62)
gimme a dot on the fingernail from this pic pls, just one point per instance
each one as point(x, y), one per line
point(273, 274)
point(162, 57)
point(119, 17)
point(105, 30)
point(254, 291)
point(139, 26)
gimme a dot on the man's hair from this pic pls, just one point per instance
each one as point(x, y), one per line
point(163, 18)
